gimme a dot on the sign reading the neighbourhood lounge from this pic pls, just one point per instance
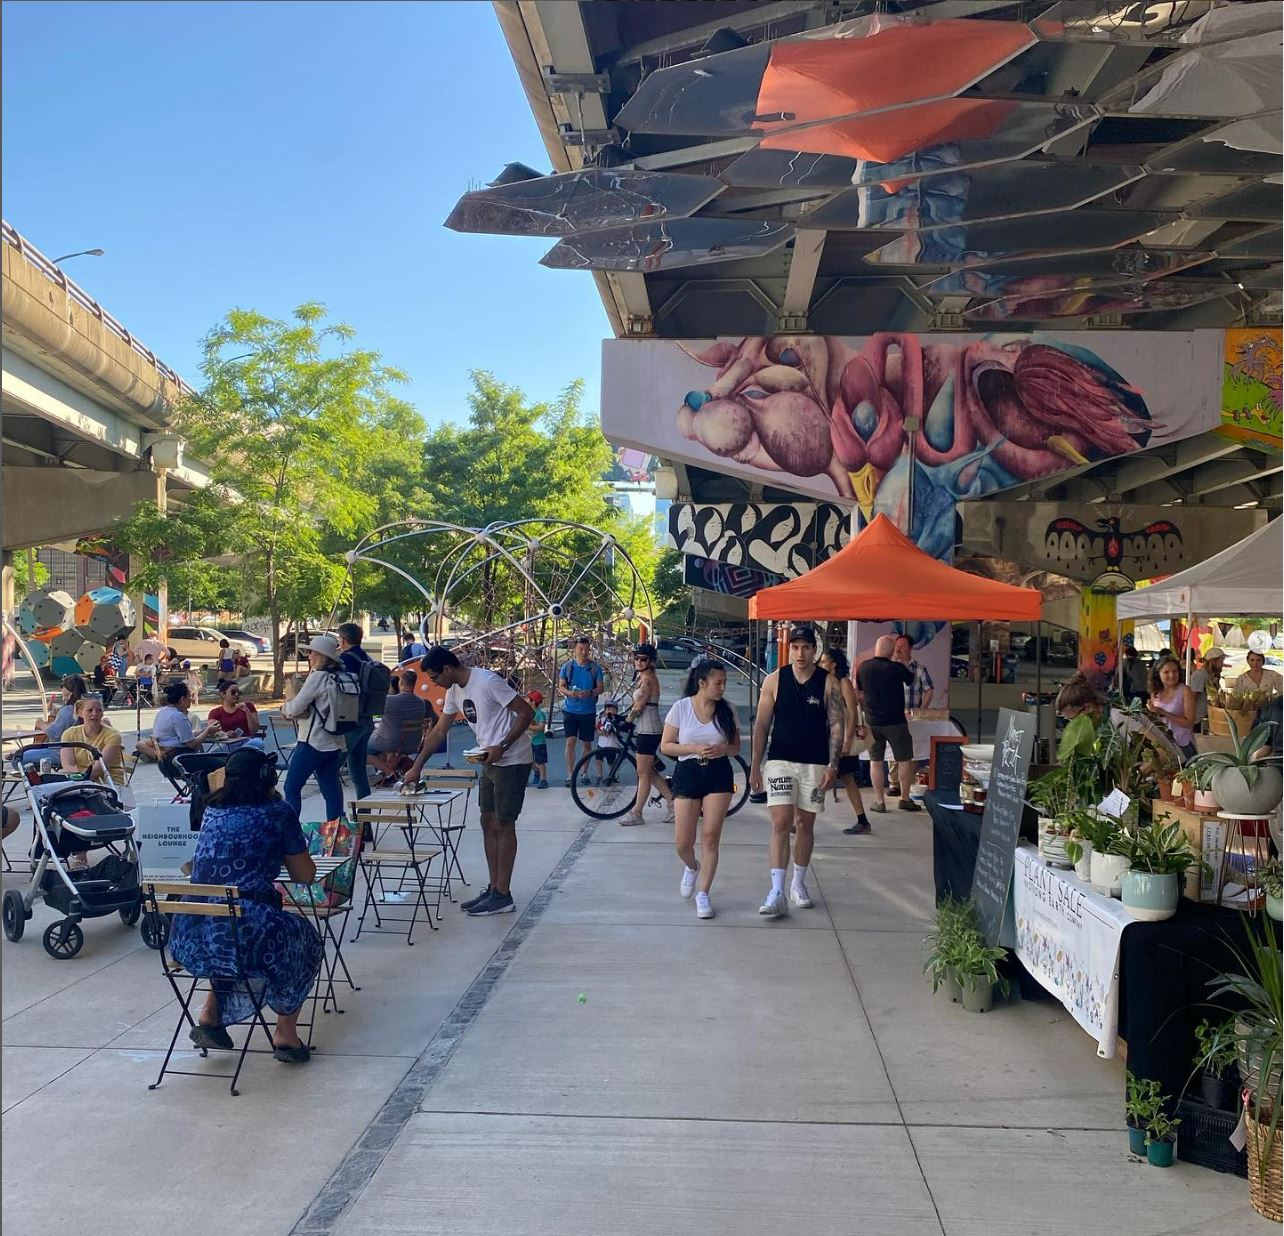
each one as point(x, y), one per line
point(1001, 823)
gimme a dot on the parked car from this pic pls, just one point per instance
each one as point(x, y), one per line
point(201, 643)
point(261, 642)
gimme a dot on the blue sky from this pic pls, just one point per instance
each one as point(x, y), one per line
point(263, 154)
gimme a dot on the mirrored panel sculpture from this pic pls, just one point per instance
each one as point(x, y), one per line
point(663, 246)
point(1088, 298)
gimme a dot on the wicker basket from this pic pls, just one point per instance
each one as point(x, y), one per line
point(1219, 720)
point(1265, 1189)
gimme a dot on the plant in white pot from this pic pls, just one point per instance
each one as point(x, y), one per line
point(1160, 855)
point(1239, 783)
point(1111, 854)
point(1090, 831)
point(1271, 877)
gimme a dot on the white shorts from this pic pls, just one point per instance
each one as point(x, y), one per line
point(794, 785)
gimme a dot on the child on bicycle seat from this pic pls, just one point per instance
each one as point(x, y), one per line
point(608, 738)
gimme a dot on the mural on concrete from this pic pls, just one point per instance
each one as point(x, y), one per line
point(721, 577)
point(1251, 395)
point(783, 539)
point(875, 420)
point(1150, 550)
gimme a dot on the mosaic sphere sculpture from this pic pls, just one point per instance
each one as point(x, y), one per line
point(69, 653)
point(44, 611)
point(104, 615)
point(513, 596)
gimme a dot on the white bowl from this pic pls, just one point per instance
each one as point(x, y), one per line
point(979, 753)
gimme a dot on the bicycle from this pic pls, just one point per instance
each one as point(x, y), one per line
point(616, 788)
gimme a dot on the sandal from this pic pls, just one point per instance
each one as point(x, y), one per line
point(292, 1055)
point(211, 1037)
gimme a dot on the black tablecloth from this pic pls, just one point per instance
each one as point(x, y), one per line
point(1164, 970)
point(955, 838)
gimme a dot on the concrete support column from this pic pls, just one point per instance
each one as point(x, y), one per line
point(8, 601)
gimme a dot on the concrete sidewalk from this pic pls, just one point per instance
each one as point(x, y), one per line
point(731, 1076)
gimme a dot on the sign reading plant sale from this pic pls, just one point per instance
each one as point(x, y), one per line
point(1001, 823)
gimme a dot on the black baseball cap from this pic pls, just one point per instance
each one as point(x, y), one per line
point(801, 633)
point(583, 639)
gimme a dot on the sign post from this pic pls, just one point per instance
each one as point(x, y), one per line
point(1001, 823)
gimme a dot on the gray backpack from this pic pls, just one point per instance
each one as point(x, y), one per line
point(338, 707)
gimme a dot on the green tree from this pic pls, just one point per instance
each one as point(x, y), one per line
point(670, 590)
point(24, 581)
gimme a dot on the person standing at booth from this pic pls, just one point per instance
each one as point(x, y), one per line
point(881, 682)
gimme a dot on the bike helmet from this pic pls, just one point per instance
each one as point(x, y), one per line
point(645, 650)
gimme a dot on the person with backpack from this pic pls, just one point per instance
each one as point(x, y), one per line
point(374, 681)
point(579, 682)
point(326, 709)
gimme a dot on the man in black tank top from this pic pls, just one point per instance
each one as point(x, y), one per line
point(799, 731)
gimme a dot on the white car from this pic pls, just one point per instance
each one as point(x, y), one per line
point(201, 643)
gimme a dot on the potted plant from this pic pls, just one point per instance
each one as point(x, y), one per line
point(977, 968)
point(1141, 1102)
point(1111, 856)
point(1215, 1057)
point(941, 947)
point(1271, 877)
point(1161, 1138)
point(1240, 784)
point(1200, 778)
point(1090, 831)
point(1230, 709)
point(1054, 835)
point(1159, 857)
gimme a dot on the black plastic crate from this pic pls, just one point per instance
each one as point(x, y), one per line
point(1203, 1138)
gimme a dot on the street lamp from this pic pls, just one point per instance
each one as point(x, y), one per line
point(80, 253)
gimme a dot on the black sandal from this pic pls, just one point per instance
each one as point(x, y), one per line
point(210, 1037)
point(292, 1055)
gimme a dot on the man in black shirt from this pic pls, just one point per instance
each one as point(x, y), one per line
point(881, 683)
point(801, 708)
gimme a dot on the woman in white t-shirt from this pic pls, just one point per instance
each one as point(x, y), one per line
point(700, 732)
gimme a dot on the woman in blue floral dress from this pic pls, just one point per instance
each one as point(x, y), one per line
point(247, 834)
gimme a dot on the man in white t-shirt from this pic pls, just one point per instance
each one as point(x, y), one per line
point(500, 719)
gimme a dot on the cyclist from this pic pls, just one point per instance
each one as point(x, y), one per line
point(700, 732)
point(644, 715)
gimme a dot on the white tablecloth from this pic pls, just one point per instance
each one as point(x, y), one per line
point(922, 733)
point(1068, 937)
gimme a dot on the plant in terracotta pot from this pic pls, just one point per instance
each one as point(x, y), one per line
point(1159, 857)
point(1142, 1100)
point(1161, 1138)
point(977, 967)
point(1239, 783)
point(1215, 1061)
point(1270, 876)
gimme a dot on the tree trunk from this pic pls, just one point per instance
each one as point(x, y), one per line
point(274, 617)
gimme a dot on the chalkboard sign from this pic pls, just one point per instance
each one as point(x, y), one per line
point(945, 769)
point(1001, 823)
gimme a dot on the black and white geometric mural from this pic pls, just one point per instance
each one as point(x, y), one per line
point(781, 538)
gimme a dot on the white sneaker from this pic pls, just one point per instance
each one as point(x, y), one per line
point(669, 817)
point(703, 908)
point(800, 898)
point(687, 886)
point(774, 907)
point(632, 820)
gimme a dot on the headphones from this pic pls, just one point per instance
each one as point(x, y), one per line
point(268, 775)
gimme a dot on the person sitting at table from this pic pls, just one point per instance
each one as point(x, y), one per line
point(105, 680)
point(235, 716)
point(249, 833)
point(93, 731)
point(172, 732)
point(62, 716)
point(392, 744)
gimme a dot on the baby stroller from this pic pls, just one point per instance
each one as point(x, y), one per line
point(74, 816)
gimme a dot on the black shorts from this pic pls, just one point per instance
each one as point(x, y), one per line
point(849, 765)
point(503, 789)
point(539, 753)
point(646, 744)
point(581, 725)
point(693, 779)
point(898, 737)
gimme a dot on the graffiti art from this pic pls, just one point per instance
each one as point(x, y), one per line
point(730, 581)
point(782, 539)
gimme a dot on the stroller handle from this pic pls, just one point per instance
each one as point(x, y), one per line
point(57, 745)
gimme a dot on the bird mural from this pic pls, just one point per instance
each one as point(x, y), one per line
point(1154, 549)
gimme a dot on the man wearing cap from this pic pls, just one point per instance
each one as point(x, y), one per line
point(881, 683)
point(799, 728)
point(579, 683)
point(501, 719)
point(1206, 679)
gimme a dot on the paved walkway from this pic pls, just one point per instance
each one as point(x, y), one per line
point(731, 1076)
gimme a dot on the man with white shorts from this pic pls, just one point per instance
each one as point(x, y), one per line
point(801, 709)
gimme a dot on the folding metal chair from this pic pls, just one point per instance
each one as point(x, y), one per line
point(381, 869)
point(325, 913)
point(225, 903)
point(280, 731)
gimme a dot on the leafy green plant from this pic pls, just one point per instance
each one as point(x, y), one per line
point(1215, 1047)
point(1270, 875)
point(977, 961)
point(955, 920)
point(1161, 1127)
point(1161, 849)
point(1208, 764)
point(1141, 1101)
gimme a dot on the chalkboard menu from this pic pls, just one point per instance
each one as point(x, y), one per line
point(1001, 823)
point(945, 770)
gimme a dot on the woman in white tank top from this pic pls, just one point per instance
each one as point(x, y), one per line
point(644, 713)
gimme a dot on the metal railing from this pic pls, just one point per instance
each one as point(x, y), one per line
point(55, 274)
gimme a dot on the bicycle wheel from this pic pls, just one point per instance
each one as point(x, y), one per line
point(618, 789)
point(739, 784)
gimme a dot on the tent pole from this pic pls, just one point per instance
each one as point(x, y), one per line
point(1038, 682)
point(980, 680)
point(1190, 643)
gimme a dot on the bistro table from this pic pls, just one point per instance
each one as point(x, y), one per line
point(424, 809)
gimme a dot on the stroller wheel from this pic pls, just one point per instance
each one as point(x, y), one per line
point(155, 930)
point(130, 916)
point(15, 915)
point(63, 940)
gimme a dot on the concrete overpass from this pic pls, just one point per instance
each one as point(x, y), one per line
point(87, 411)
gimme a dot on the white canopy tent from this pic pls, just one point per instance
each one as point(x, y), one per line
point(1247, 578)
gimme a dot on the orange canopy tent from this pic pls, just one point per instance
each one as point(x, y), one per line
point(881, 574)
